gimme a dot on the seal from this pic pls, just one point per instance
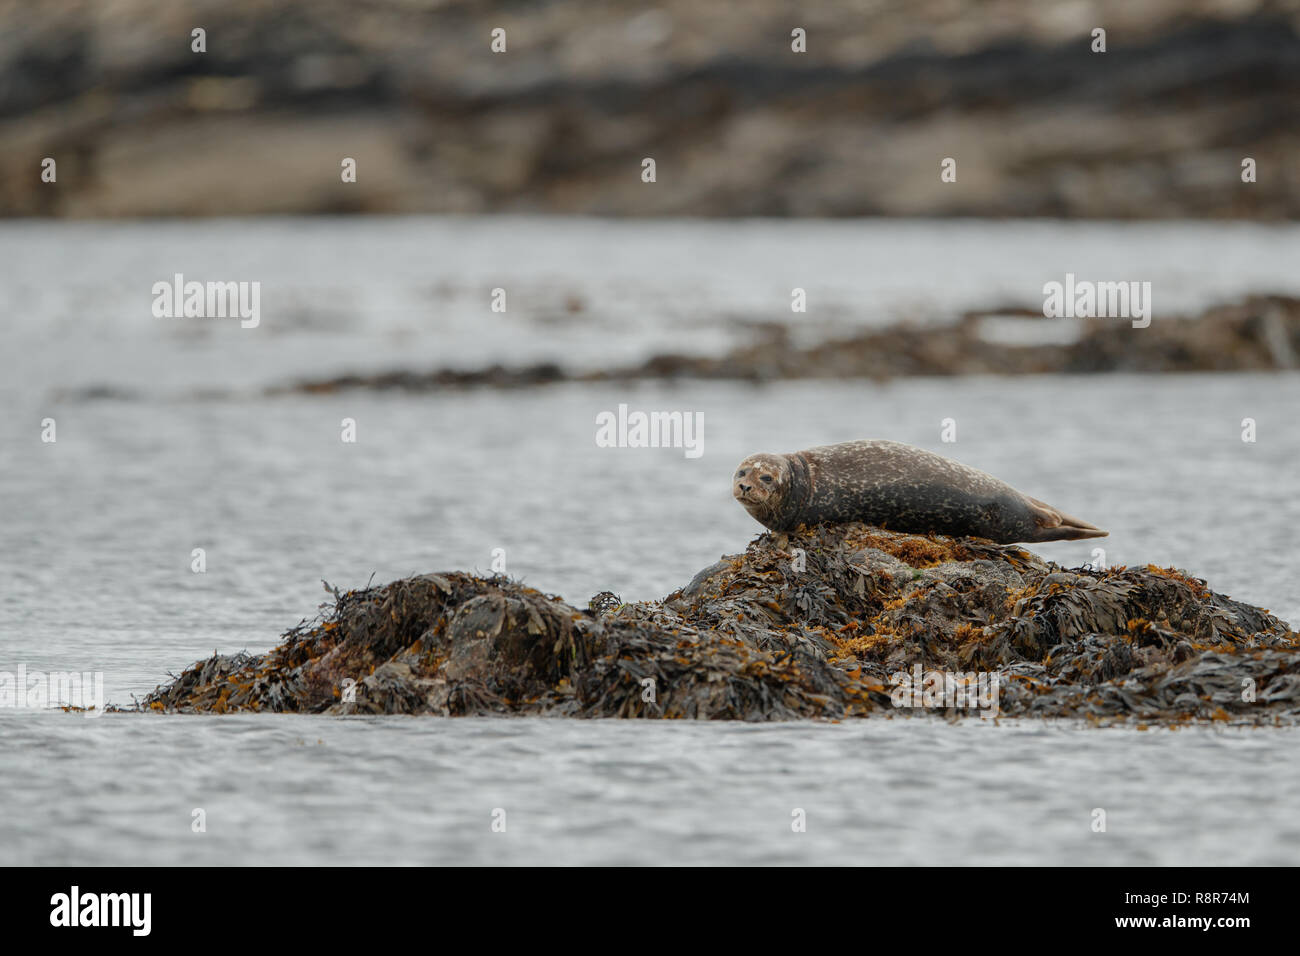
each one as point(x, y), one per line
point(899, 487)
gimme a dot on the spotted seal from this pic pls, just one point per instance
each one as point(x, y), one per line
point(895, 486)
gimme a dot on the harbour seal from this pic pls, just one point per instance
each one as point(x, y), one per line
point(895, 486)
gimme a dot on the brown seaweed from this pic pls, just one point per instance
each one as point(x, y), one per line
point(818, 623)
point(1257, 334)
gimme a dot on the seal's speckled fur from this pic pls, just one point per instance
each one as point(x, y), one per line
point(895, 486)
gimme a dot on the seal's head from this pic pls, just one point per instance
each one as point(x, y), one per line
point(761, 484)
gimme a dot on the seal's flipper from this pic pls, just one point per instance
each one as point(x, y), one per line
point(1054, 525)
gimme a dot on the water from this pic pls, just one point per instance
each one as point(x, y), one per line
point(99, 529)
point(364, 294)
point(409, 790)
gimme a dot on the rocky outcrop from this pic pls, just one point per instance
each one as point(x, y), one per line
point(1260, 333)
point(828, 622)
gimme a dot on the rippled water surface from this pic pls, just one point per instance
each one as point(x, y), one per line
point(285, 789)
point(98, 531)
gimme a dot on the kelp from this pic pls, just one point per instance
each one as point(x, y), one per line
point(826, 622)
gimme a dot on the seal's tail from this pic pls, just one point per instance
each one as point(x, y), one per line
point(1054, 525)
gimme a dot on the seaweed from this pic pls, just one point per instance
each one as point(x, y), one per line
point(816, 623)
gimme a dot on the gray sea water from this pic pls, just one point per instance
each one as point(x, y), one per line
point(98, 531)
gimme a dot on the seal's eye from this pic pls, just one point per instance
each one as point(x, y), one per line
point(768, 479)
point(741, 473)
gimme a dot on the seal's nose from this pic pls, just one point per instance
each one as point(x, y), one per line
point(744, 487)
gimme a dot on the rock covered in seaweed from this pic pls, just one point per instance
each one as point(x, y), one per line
point(816, 623)
point(1259, 333)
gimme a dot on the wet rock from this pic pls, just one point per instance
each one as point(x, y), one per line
point(761, 636)
point(700, 582)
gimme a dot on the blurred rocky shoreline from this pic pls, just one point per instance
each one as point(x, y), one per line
point(738, 123)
